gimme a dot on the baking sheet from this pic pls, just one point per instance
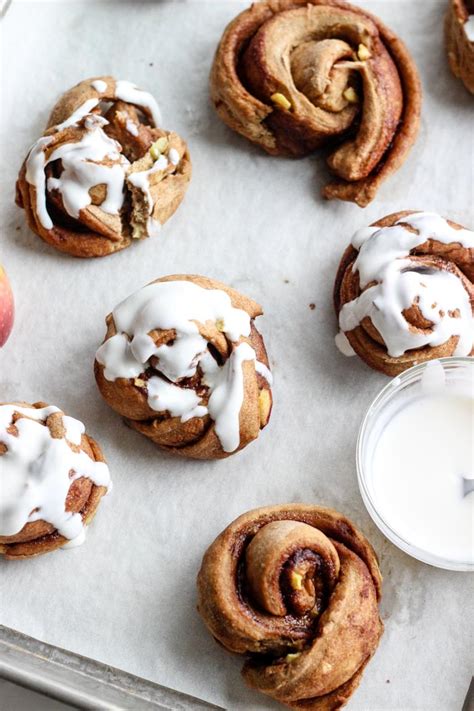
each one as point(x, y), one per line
point(127, 596)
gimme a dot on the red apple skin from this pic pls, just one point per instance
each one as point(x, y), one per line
point(7, 307)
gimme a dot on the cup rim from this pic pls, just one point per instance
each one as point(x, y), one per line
point(411, 374)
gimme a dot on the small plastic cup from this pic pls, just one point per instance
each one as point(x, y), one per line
point(458, 371)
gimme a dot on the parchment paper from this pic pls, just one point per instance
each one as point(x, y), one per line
point(127, 596)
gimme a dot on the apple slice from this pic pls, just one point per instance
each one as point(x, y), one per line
point(7, 308)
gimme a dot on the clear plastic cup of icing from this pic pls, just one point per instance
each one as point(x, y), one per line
point(419, 489)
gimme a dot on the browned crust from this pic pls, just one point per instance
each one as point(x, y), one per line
point(334, 699)
point(459, 49)
point(84, 496)
point(94, 233)
point(331, 658)
point(249, 115)
point(364, 339)
point(196, 438)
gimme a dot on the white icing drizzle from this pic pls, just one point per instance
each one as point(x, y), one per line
point(80, 172)
point(82, 111)
point(131, 127)
point(265, 372)
point(227, 392)
point(343, 344)
point(81, 160)
point(178, 305)
point(35, 165)
point(74, 429)
point(94, 121)
point(117, 358)
point(75, 542)
point(99, 85)
point(173, 155)
point(469, 28)
point(141, 180)
point(163, 395)
point(173, 305)
point(126, 91)
point(395, 242)
point(38, 470)
point(384, 257)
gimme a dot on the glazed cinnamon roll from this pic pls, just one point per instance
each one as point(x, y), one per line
point(53, 477)
point(293, 75)
point(183, 362)
point(404, 292)
point(459, 37)
point(296, 589)
point(104, 173)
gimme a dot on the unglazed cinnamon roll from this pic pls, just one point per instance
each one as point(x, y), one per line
point(459, 36)
point(404, 292)
point(296, 589)
point(53, 477)
point(294, 75)
point(104, 172)
point(183, 362)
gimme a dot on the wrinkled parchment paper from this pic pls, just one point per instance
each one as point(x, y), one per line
point(127, 596)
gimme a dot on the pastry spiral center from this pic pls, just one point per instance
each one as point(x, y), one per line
point(323, 67)
point(290, 566)
point(317, 74)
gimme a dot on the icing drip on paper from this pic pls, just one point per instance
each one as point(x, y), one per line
point(99, 85)
point(343, 345)
point(384, 257)
point(469, 28)
point(78, 541)
point(126, 91)
point(37, 471)
point(178, 306)
point(153, 227)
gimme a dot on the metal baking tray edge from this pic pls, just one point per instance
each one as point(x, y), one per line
point(81, 682)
